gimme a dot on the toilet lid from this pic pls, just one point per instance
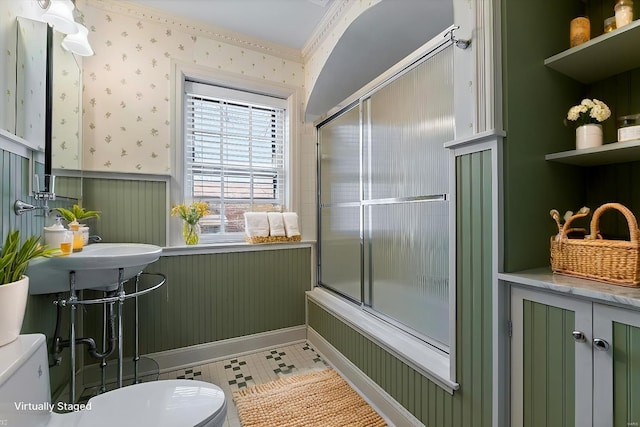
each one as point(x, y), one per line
point(165, 403)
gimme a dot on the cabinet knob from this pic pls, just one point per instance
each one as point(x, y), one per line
point(579, 336)
point(600, 344)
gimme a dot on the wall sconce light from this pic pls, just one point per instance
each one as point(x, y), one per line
point(60, 16)
point(78, 43)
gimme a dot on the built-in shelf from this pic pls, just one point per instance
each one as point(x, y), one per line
point(601, 57)
point(615, 152)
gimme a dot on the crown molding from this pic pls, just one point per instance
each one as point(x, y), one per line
point(195, 28)
point(336, 11)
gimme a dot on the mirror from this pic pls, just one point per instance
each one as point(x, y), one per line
point(66, 93)
point(48, 95)
point(31, 87)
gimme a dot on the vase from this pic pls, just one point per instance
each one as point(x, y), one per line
point(588, 136)
point(191, 233)
point(13, 303)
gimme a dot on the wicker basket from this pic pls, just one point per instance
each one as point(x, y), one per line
point(272, 239)
point(613, 261)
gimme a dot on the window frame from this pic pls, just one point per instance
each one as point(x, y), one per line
point(212, 99)
point(180, 72)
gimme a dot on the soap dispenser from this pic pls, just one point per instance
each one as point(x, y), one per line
point(54, 234)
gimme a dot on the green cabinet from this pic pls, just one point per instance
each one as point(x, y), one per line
point(574, 362)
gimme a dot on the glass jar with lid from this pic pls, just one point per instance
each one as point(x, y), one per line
point(609, 24)
point(624, 12)
point(628, 127)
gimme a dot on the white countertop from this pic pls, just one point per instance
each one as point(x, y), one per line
point(544, 278)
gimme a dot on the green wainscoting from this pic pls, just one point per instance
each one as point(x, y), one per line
point(548, 366)
point(40, 316)
point(473, 289)
point(470, 406)
point(132, 211)
point(213, 297)
point(626, 374)
point(69, 187)
point(14, 184)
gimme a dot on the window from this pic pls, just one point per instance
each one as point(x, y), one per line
point(235, 146)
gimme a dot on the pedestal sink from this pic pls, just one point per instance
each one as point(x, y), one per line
point(96, 267)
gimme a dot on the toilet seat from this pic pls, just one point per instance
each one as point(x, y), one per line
point(164, 403)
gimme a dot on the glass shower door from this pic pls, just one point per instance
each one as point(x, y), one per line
point(340, 210)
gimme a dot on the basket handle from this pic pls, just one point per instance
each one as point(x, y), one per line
point(631, 220)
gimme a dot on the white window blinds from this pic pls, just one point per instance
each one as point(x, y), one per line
point(234, 153)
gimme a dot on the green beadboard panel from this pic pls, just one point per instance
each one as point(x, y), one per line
point(132, 211)
point(473, 322)
point(40, 315)
point(626, 375)
point(548, 366)
point(614, 183)
point(69, 186)
point(470, 406)
point(213, 297)
point(14, 184)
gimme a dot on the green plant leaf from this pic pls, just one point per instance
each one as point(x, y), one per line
point(81, 213)
point(14, 258)
point(66, 214)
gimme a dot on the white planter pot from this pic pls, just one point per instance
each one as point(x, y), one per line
point(588, 136)
point(13, 302)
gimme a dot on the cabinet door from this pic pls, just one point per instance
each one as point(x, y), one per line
point(551, 371)
point(616, 364)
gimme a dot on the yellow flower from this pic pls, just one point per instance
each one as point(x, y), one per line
point(192, 213)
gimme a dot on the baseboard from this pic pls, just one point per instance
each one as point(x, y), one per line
point(393, 413)
point(201, 354)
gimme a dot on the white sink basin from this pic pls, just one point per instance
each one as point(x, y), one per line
point(96, 267)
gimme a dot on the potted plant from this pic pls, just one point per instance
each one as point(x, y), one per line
point(77, 213)
point(587, 117)
point(191, 214)
point(74, 216)
point(14, 284)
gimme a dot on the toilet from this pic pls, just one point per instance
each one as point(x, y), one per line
point(25, 398)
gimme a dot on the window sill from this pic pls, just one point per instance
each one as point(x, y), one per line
point(216, 248)
point(409, 349)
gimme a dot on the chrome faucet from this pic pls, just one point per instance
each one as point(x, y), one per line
point(20, 207)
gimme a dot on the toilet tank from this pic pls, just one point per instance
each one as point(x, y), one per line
point(25, 397)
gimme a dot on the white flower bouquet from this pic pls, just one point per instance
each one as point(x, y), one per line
point(589, 111)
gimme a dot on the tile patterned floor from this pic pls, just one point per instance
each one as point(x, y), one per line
point(234, 373)
point(251, 369)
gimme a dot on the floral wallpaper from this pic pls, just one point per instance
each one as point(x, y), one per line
point(126, 99)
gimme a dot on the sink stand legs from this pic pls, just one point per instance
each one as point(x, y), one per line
point(136, 354)
point(103, 361)
point(107, 301)
point(73, 297)
point(120, 307)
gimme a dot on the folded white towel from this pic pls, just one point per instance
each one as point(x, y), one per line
point(276, 224)
point(256, 224)
point(291, 223)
